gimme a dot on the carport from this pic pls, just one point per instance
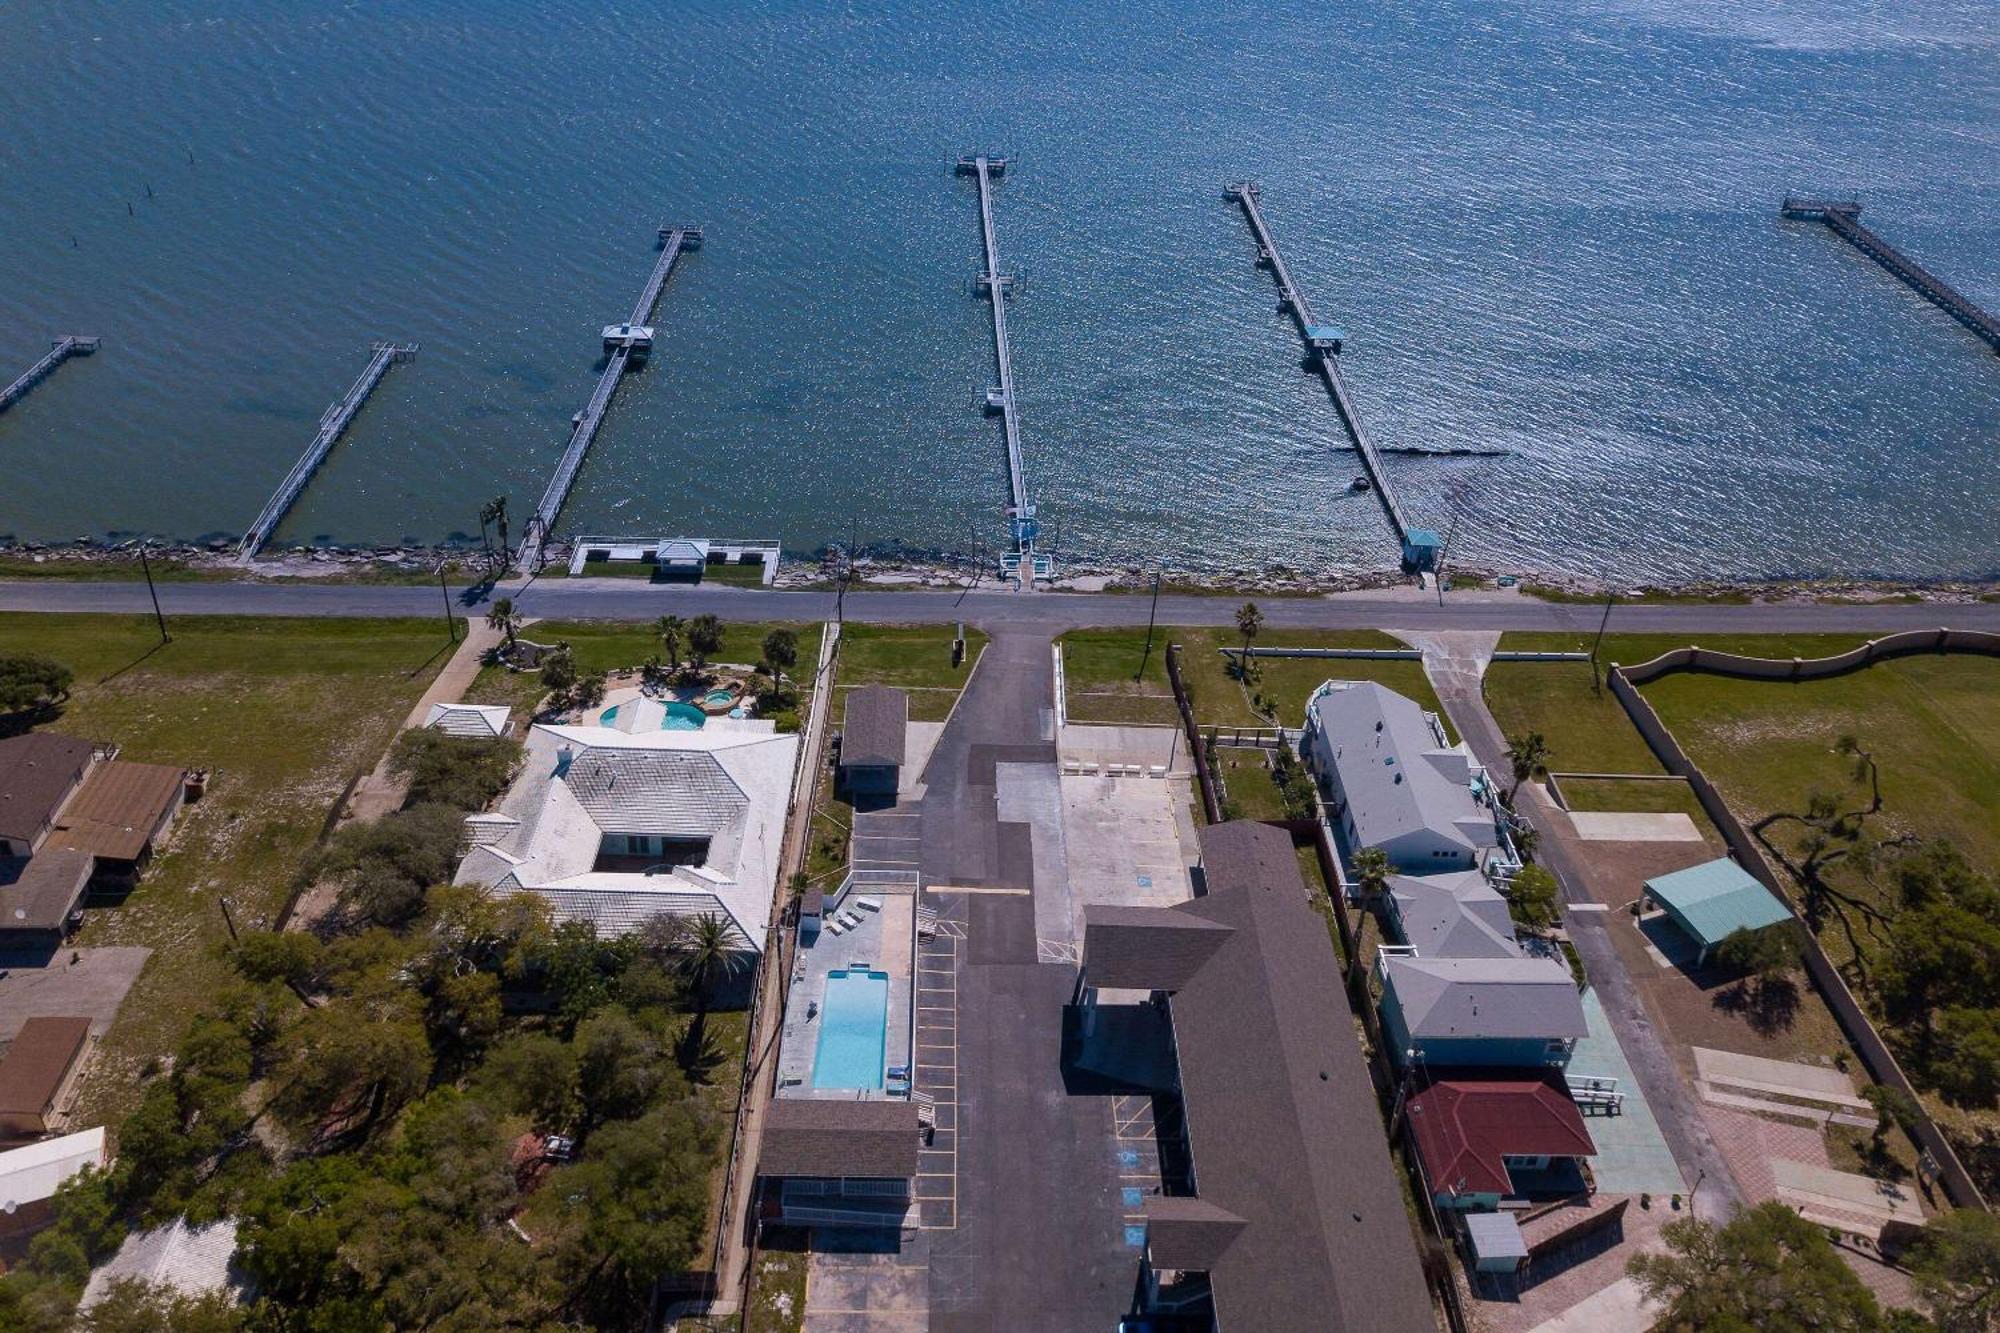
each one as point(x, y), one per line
point(1714, 900)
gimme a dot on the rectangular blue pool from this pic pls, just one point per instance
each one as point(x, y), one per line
point(853, 1030)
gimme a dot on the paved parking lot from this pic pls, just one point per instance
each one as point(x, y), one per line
point(1128, 840)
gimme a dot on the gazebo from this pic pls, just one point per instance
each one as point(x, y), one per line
point(1714, 900)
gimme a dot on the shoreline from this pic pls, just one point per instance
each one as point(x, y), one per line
point(208, 562)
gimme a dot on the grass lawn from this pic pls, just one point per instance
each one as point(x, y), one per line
point(1099, 667)
point(1248, 787)
point(1586, 729)
point(1932, 723)
point(916, 658)
point(282, 713)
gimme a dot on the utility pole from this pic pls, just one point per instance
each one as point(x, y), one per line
point(1610, 594)
point(1152, 616)
point(450, 625)
point(147, 565)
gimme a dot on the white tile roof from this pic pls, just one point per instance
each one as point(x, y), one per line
point(191, 1260)
point(580, 783)
point(664, 792)
point(30, 1174)
point(479, 721)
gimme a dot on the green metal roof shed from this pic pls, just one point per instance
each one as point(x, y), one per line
point(1714, 900)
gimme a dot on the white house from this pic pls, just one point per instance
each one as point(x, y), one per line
point(615, 826)
point(1394, 782)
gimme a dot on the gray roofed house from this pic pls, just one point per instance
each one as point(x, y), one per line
point(1481, 1011)
point(1298, 1220)
point(38, 897)
point(839, 1137)
point(38, 772)
point(875, 726)
point(874, 739)
point(1186, 1233)
point(1394, 780)
point(1454, 915)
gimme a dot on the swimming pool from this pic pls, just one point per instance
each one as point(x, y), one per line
point(674, 716)
point(853, 1030)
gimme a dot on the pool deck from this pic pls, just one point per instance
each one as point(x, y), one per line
point(885, 941)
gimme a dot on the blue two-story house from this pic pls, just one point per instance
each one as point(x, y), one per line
point(1517, 1012)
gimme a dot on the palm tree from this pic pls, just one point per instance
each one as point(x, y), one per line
point(707, 947)
point(1529, 755)
point(670, 629)
point(504, 618)
point(1248, 621)
point(1371, 872)
point(499, 507)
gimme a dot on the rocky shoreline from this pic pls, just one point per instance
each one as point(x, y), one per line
point(217, 560)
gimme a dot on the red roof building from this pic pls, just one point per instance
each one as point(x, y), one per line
point(1478, 1136)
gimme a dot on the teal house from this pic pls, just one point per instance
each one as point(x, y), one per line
point(1714, 900)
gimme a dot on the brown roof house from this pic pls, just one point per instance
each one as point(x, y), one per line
point(38, 1072)
point(72, 815)
point(1295, 1220)
point(119, 813)
point(873, 737)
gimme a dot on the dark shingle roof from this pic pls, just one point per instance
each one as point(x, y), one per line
point(1192, 1234)
point(875, 727)
point(1282, 1121)
point(814, 1136)
point(1144, 948)
point(36, 771)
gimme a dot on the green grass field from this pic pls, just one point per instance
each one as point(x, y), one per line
point(1586, 729)
point(916, 658)
point(1100, 666)
point(283, 713)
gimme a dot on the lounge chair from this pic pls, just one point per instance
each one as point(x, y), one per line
point(834, 927)
point(850, 920)
point(869, 904)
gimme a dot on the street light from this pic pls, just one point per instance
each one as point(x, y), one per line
point(147, 565)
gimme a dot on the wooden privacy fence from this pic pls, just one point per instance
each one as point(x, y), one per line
point(1854, 1021)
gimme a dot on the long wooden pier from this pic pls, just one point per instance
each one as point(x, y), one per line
point(624, 345)
point(64, 348)
point(1023, 528)
point(1842, 216)
point(331, 425)
point(1420, 545)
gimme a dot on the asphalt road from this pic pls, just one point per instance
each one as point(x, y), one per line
point(618, 599)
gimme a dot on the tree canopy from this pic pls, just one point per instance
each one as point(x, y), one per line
point(1767, 1270)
